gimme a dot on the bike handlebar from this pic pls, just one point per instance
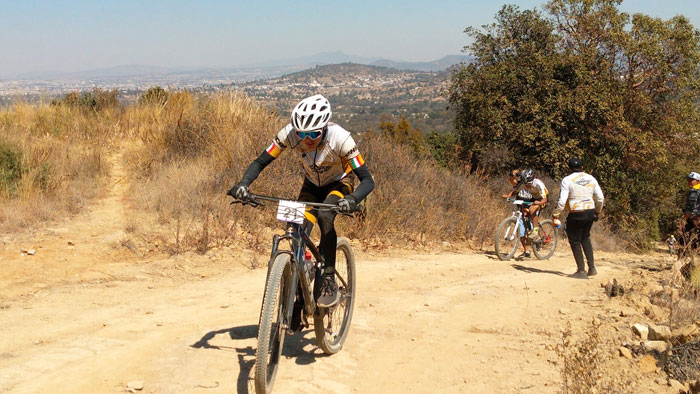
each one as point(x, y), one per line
point(321, 206)
point(513, 200)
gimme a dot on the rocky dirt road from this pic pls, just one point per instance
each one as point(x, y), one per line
point(423, 323)
point(86, 315)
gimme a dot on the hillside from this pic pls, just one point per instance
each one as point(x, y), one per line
point(361, 94)
point(441, 64)
point(155, 275)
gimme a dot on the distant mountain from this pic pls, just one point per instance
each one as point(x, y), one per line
point(342, 71)
point(436, 65)
point(317, 59)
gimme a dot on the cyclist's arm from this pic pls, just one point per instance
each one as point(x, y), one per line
point(366, 183)
point(690, 203)
point(262, 161)
point(598, 198)
point(514, 177)
point(254, 169)
point(563, 198)
point(542, 189)
point(349, 152)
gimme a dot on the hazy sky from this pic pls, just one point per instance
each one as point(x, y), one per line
point(80, 35)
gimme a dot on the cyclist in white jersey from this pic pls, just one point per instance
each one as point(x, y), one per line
point(329, 157)
point(529, 188)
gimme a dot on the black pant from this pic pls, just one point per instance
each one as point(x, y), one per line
point(578, 229)
point(328, 194)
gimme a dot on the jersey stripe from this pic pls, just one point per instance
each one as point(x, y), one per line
point(273, 150)
point(357, 162)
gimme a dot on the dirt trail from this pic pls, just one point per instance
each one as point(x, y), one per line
point(437, 323)
point(70, 251)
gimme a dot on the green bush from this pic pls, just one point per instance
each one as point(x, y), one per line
point(155, 95)
point(590, 81)
point(10, 168)
point(96, 100)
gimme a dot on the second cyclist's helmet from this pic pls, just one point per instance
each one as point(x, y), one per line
point(527, 176)
point(312, 113)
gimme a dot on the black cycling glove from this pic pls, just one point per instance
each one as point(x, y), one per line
point(347, 204)
point(240, 192)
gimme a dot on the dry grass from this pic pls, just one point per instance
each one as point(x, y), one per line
point(584, 366)
point(183, 154)
point(194, 148)
point(417, 202)
point(62, 162)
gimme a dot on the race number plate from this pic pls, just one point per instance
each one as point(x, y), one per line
point(518, 202)
point(291, 211)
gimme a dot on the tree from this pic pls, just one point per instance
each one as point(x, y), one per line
point(155, 95)
point(585, 80)
point(404, 134)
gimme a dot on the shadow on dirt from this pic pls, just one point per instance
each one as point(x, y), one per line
point(490, 254)
point(293, 348)
point(537, 270)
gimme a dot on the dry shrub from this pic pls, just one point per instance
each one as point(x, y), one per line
point(194, 148)
point(585, 361)
point(191, 150)
point(62, 162)
point(680, 297)
point(416, 200)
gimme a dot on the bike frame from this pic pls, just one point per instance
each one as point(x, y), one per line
point(299, 240)
point(521, 217)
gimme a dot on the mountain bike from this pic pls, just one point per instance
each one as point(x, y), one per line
point(509, 233)
point(291, 275)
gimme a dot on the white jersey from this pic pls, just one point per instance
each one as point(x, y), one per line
point(533, 191)
point(579, 192)
point(334, 158)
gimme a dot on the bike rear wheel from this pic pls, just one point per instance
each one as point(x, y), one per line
point(332, 325)
point(273, 323)
point(549, 237)
point(507, 238)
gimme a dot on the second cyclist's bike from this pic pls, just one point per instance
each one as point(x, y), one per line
point(291, 275)
point(519, 225)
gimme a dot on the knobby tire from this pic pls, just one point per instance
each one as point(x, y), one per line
point(504, 250)
point(549, 237)
point(273, 322)
point(332, 325)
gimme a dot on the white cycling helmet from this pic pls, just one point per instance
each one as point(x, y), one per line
point(312, 113)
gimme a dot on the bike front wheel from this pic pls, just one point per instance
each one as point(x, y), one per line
point(332, 325)
point(273, 323)
point(507, 238)
point(548, 238)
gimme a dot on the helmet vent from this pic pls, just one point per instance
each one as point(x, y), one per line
point(316, 122)
point(308, 122)
point(313, 107)
point(322, 108)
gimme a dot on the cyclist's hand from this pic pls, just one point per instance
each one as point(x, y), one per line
point(556, 222)
point(347, 205)
point(504, 195)
point(595, 217)
point(240, 191)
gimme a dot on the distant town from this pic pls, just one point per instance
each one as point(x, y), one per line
point(361, 94)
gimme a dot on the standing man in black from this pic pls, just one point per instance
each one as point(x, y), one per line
point(690, 222)
point(583, 199)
